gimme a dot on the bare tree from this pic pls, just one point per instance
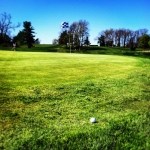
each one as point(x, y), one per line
point(55, 41)
point(78, 33)
point(106, 33)
point(106, 37)
point(143, 31)
point(132, 36)
point(121, 37)
point(73, 31)
point(118, 35)
point(128, 37)
point(110, 37)
point(83, 30)
point(125, 36)
point(5, 26)
point(137, 38)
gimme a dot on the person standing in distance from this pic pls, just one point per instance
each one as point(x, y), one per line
point(14, 45)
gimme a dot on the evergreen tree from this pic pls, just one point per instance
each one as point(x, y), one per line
point(87, 42)
point(28, 34)
point(101, 40)
point(19, 38)
point(64, 38)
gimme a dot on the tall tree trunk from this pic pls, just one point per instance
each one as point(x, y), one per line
point(124, 41)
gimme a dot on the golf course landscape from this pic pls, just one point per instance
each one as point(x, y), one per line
point(48, 95)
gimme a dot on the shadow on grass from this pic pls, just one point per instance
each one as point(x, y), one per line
point(122, 134)
point(9, 114)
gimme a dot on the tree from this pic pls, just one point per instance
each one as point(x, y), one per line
point(28, 34)
point(106, 37)
point(125, 35)
point(5, 26)
point(137, 38)
point(143, 31)
point(132, 36)
point(74, 34)
point(78, 32)
point(118, 36)
point(121, 37)
point(101, 40)
point(87, 42)
point(7, 39)
point(63, 38)
point(149, 43)
point(83, 30)
point(19, 38)
point(76, 41)
point(55, 41)
point(109, 34)
point(144, 40)
point(37, 41)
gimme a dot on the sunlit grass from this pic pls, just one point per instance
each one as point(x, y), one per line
point(27, 68)
point(47, 100)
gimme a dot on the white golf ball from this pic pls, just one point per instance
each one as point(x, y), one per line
point(92, 120)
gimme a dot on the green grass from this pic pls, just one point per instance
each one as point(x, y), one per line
point(37, 48)
point(84, 50)
point(47, 100)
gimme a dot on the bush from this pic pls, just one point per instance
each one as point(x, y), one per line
point(6, 45)
point(144, 40)
point(132, 48)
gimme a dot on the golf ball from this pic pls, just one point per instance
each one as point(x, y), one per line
point(92, 120)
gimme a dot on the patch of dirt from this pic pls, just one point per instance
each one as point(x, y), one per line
point(144, 51)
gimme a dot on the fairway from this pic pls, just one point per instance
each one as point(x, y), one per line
point(47, 100)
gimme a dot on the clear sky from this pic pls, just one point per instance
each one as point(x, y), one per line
point(47, 15)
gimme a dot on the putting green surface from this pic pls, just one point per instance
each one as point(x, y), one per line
point(47, 100)
point(21, 69)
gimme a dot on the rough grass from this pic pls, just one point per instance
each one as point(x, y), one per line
point(47, 100)
point(84, 49)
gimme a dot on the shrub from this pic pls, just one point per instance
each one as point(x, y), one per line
point(132, 48)
point(144, 40)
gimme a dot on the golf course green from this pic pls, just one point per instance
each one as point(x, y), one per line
point(48, 98)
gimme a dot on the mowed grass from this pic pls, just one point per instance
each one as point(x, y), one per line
point(47, 100)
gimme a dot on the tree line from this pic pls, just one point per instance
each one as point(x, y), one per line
point(123, 37)
point(76, 35)
point(26, 36)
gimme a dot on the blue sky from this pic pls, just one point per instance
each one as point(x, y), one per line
point(47, 15)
